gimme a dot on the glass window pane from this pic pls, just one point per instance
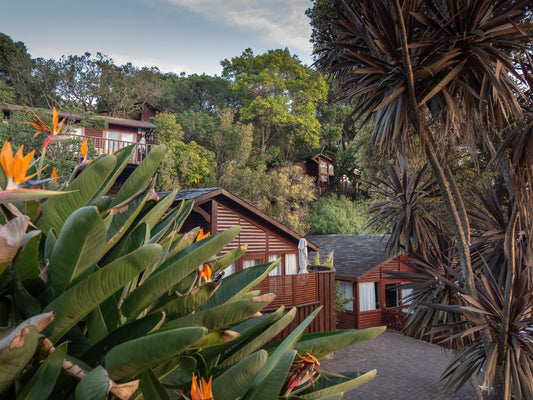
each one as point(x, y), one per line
point(128, 137)
point(251, 263)
point(276, 271)
point(291, 264)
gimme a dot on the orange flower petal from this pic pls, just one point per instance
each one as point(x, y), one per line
point(84, 148)
point(55, 118)
point(196, 393)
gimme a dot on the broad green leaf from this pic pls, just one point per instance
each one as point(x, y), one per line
point(94, 385)
point(131, 358)
point(57, 209)
point(153, 216)
point(335, 384)
point(177, 372)
point(20, 195)
point(253, 341)
point(239, 283)
point(123, 157)
point(43, 381)
point(133, 330)
point(80, 300)
point(16, 354)
point(227, 259)
point(287, 344)
point(322, 344)
point(175, 269)
point(186, 304)
point(27, 263)
point(225, 315)
point(26, 304)
point(141, 176)
point(235, 381)
point(78, 247)
point(151, 388)
point(271, 387)
point(124, 215)
point(172, 222)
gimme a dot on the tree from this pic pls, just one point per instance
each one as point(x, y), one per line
point(422, 71)
point(337, 215)
point(279, 96)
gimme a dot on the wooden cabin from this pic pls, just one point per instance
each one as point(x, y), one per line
point(321, 168)
point(216, 210)
point(107, 134)
point(361, 270)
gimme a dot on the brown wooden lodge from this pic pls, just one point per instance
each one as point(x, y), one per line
point(216, 210)
point(117, 133)
point(361, 270)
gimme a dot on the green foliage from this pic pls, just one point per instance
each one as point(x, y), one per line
point(331, 214)
point(279, 96)
point(289, 203)
point(185, 165)
point(102, 300)
point(340, 300)
point(59, 155)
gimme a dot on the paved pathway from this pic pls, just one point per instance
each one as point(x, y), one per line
point(408, 369)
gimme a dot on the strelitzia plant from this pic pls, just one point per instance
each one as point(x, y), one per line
point(105, 298)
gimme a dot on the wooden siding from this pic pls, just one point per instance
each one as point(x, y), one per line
point(368, 319)
point(325, 320)
point(291, 290)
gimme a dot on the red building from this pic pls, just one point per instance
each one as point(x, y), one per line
point(361, 270)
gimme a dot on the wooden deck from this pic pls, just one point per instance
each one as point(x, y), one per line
point(109, 146)
point(306, 292)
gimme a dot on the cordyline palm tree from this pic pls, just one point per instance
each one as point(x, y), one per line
point(436, 73)
point(403, 212)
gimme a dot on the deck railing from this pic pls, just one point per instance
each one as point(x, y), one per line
point(291, 290)
point(109, 146)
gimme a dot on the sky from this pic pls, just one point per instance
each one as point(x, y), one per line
point(190, 36)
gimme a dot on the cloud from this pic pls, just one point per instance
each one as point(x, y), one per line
point(282, 22)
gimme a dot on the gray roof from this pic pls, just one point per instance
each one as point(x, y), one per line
point(353, 255)
point(189, 194)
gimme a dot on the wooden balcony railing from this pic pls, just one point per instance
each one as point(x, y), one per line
point(109, 146)
point(291, 290)
point(394, 318)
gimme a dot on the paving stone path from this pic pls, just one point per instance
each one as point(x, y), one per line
point(408, 369)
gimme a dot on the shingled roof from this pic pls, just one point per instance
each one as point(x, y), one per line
point(353, 255)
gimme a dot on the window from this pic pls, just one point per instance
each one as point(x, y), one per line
point(251, 262)
point(368, 296)
point(331, 172)
point(391, 295)
point(117, 140)
point(405, 293)
point(276, 271)
point(346, 291)
point(229, 270)
point(291, 264)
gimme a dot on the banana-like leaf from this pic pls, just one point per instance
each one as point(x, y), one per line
point(57, 209)
point(133, 330)
point(271, 386)
point(153, 216)
point(225, 315)
point(27, 263)
point(253, 341)
point(175, 269)
point(335, 384)
point(141, 176)
point(20, 195)
point(287, 344)
point(80, 300)
point(322, 344)
point(124, 215)
point(136, 356)
point(186, 304)
point(172, 223)
point(78, 247)
point(43, 381)
point(177, 372)
point(151, 388)
point(335, 396)
point(236, 381)
point(123, 157)
point(94, 386)
point(237, 284)
point(227, 259)
point(15, 356)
